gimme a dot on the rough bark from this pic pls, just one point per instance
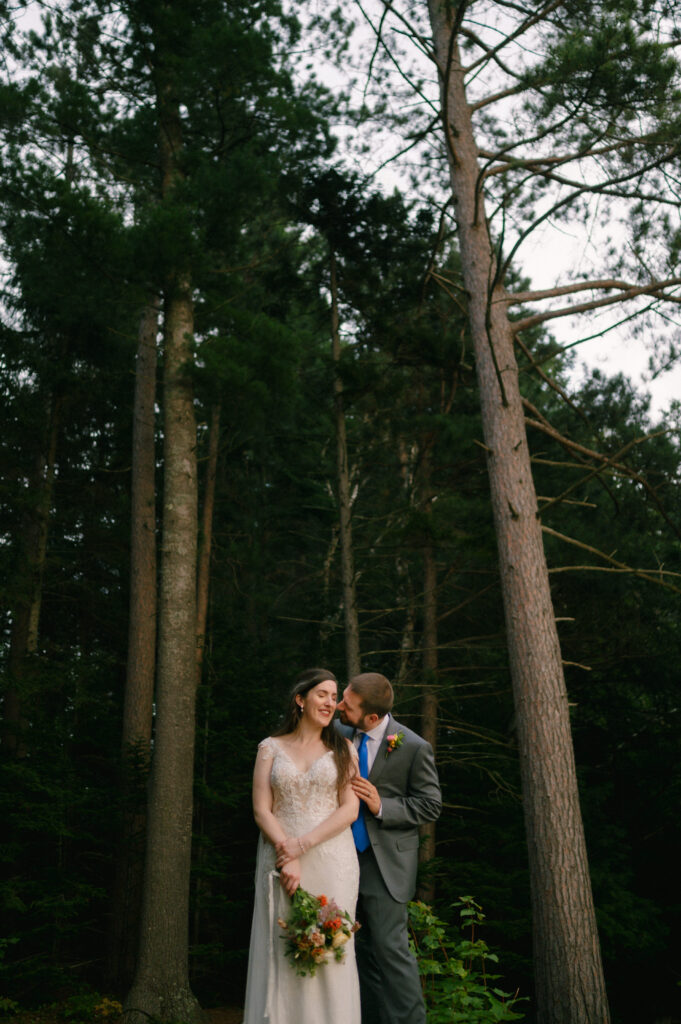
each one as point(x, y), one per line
point(26, 612)
point(141, 665)
point(161, 988)
point(568, 972)
point(352, 649)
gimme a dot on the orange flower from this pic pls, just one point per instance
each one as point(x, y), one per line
point(322, 901)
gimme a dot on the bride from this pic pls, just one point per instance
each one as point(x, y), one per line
point(303, 806)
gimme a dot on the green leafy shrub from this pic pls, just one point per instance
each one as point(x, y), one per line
point(456, 983)
point(88, 1006)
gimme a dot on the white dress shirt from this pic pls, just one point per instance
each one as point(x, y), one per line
point(374, 739)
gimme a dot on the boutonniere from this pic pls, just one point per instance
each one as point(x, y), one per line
point(394, 741)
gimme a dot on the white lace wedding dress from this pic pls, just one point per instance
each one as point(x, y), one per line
point(275, 994)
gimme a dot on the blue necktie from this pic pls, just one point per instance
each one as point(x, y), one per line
point(359, 826)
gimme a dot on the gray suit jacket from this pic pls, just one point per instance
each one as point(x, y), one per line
point(406, 779)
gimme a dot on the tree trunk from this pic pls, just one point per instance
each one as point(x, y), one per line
point(429, 709)
point(201, 892)
point(26, 613)
point(352, 655)
point(161, 988)
point(429, 705)
point(139, 687)
point(568, 972)
point(407, 640)
point(203, 575)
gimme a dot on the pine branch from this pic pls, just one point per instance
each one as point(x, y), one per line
point(531, 20)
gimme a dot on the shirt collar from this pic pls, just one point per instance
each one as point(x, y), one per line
point(378, 731)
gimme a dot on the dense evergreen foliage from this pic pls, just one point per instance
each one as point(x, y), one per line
point(262, 206)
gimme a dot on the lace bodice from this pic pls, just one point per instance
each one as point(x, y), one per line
point(301, 798)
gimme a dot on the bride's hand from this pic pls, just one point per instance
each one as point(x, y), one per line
point(288, 850)
point(289, 876)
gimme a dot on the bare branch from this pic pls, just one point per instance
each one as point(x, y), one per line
point(513, 90)
point(490, 54)
point(606, 464)
point(380, 42)
point(518, 298)
point(540, 162)
point(549, 380)
point(621, 467)
point(581, 190)
point(656, 288)
point(650, 575)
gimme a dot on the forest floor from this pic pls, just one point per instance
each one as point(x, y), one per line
point(54, 1015)
point(226, 1015)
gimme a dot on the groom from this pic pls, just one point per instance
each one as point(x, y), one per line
point(399, 792)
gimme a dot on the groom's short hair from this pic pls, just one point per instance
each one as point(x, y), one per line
point(374, 691)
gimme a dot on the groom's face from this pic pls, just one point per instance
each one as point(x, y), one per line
point(350, 709)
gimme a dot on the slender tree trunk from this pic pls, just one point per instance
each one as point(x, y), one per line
point(408, 630)
point(202, 592)
point(352, 649)
point(203, 574)
point(161, 988)
point(139, 690)
point(429, 705)
point(26, 614)
point(406, 586)
point(139, 687)
point(568, 972)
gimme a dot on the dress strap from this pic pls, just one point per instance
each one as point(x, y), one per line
point(267, 748)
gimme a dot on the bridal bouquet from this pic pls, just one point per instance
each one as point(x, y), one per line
point(316, 931)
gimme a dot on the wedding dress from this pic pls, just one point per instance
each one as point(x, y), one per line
point(275, 994)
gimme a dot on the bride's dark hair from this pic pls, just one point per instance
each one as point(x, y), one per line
point(331, 738)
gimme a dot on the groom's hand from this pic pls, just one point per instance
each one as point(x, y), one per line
point(367, 792)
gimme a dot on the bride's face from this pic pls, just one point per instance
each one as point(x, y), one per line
point(319, 703)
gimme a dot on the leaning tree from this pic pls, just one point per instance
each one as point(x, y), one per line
point(557, 111)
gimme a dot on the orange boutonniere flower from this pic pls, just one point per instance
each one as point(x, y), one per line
point(395, 740)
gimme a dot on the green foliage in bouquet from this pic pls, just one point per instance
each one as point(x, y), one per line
point(316, 931)
point(456, 983)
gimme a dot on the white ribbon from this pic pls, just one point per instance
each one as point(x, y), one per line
point(271, 970)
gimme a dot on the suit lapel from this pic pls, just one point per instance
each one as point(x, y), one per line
point(381, 754)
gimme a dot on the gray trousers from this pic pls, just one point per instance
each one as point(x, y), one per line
point(389, 983)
